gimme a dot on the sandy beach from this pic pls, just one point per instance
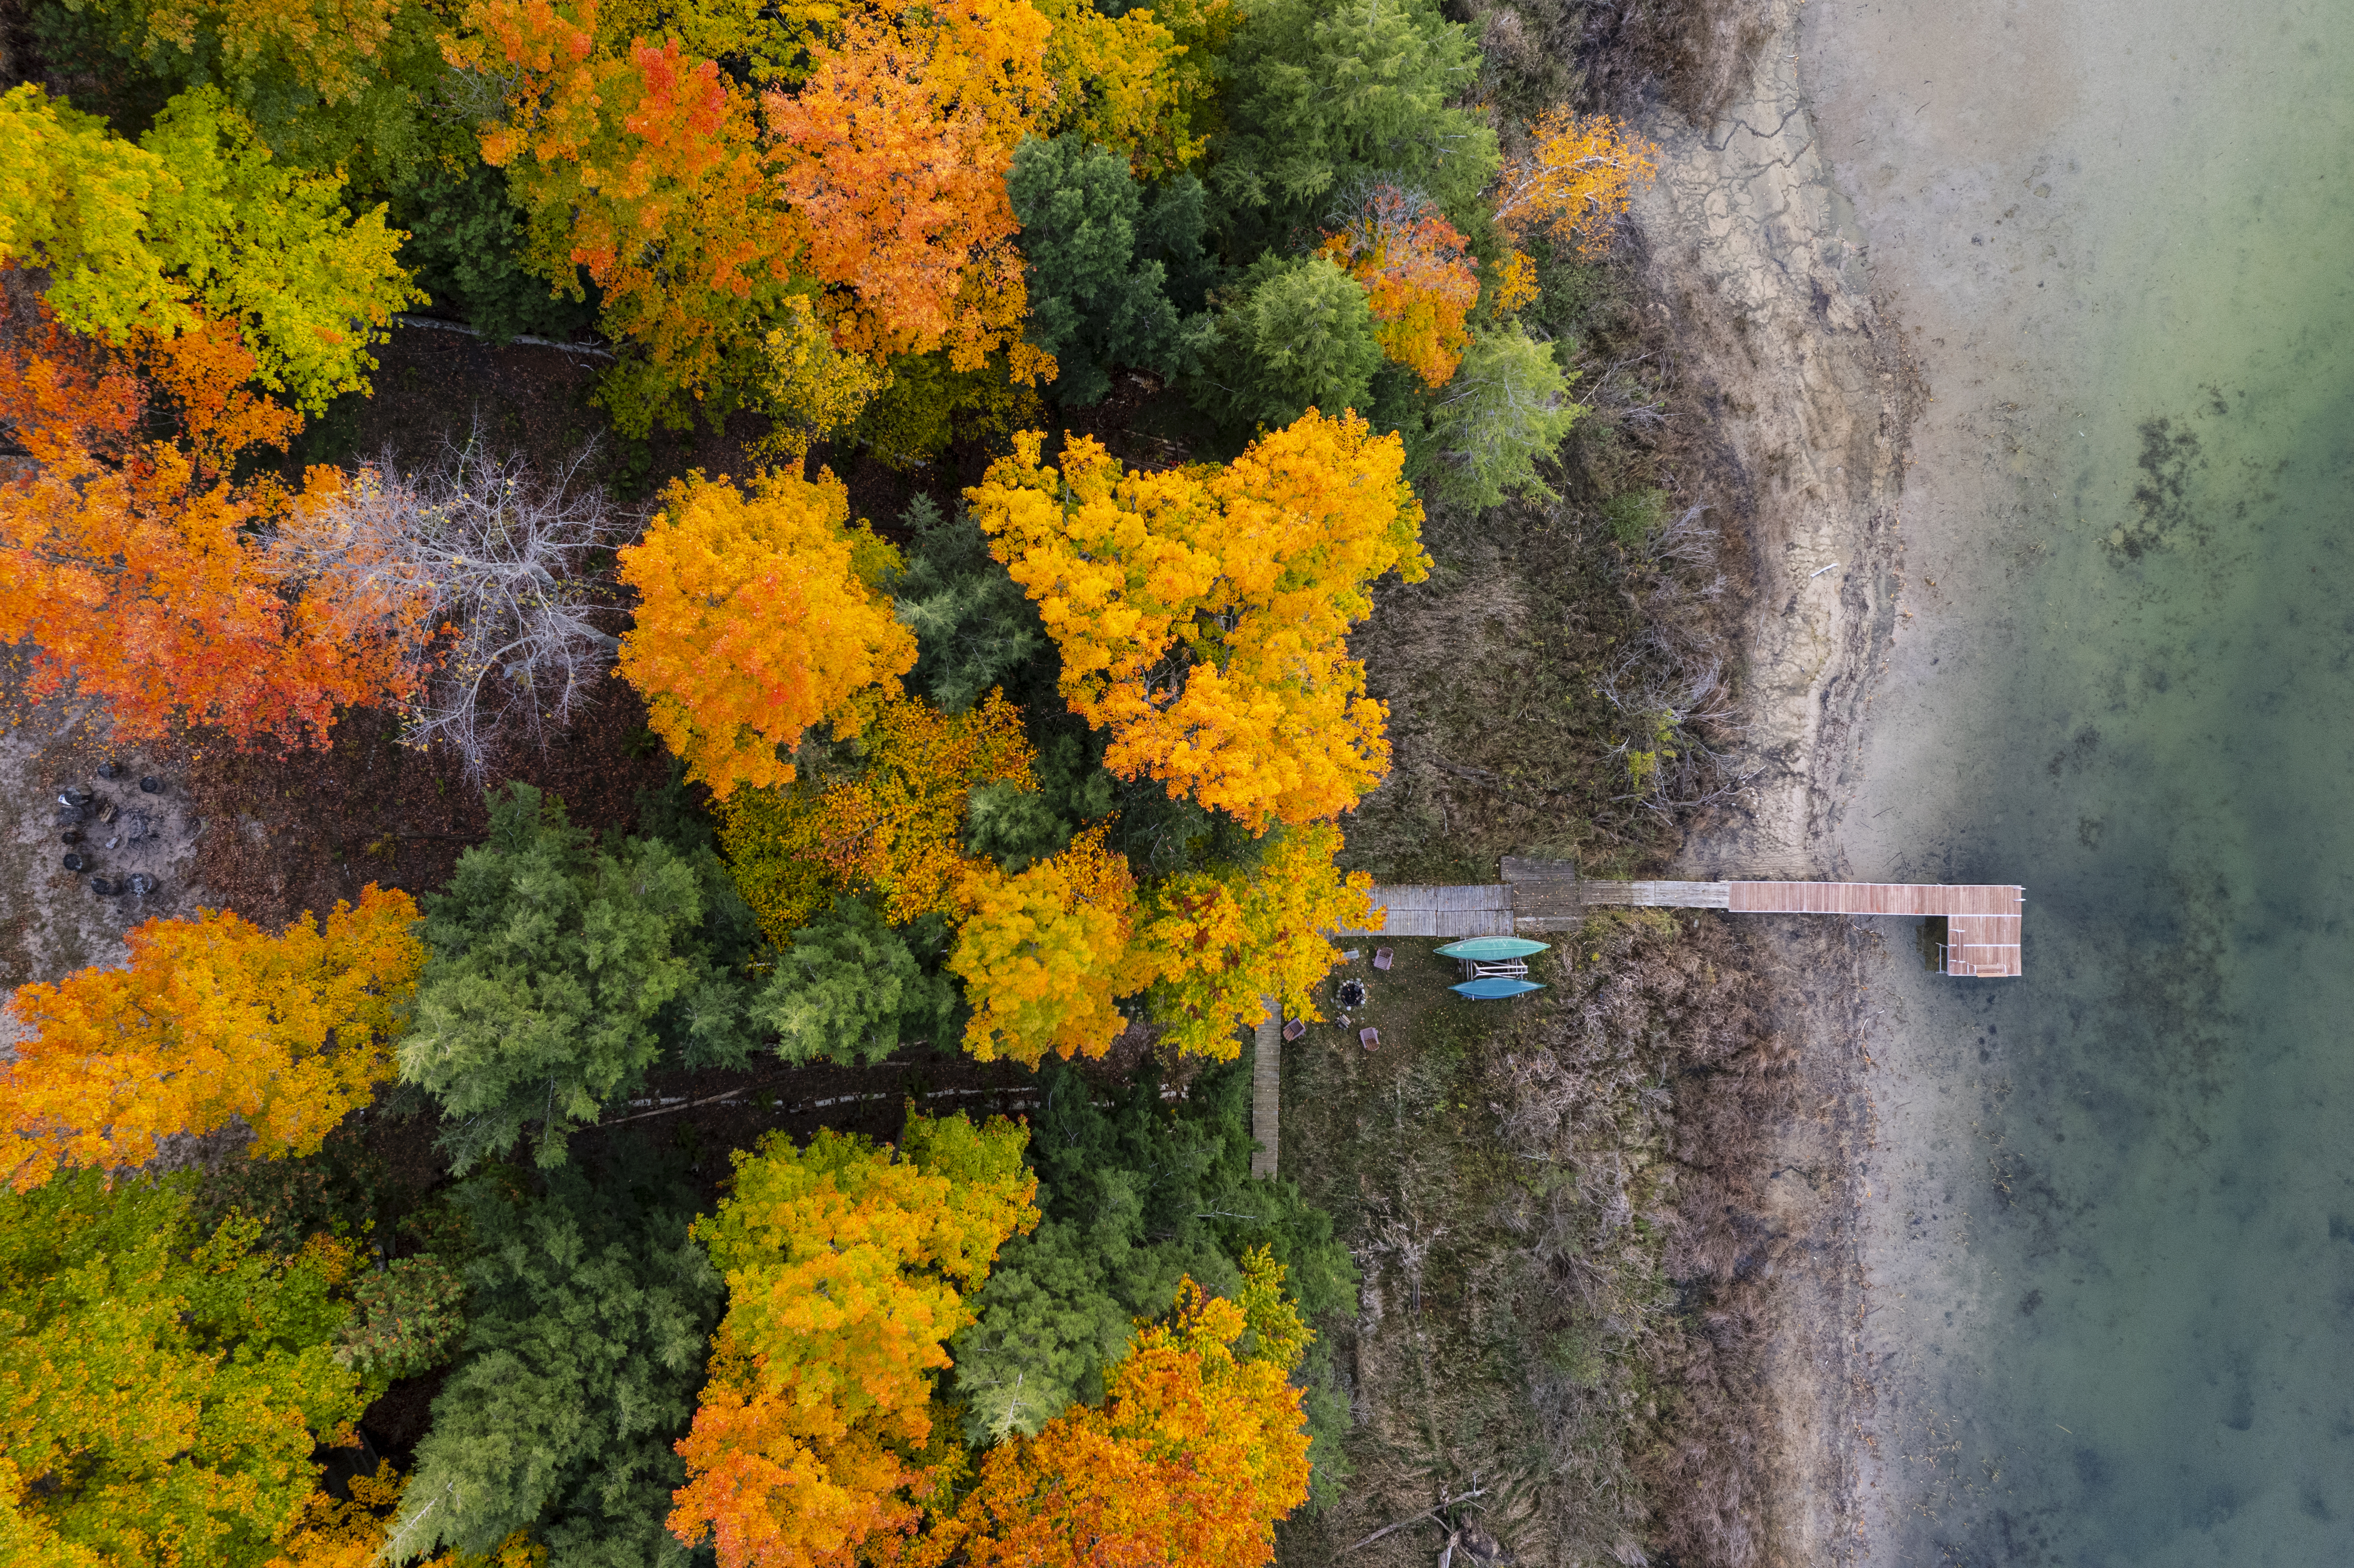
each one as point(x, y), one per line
point(1755, 256)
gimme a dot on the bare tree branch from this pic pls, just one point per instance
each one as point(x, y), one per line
point(491, 557)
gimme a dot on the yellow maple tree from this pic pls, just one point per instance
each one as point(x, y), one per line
point(212, 1019)
point(848, 1268)
point(1142, 82)
point(894, 826)
point(1045, 954)
point(1516, 283)
point(1219, 943)
point(755, 621)
point(1193, 1455)
point(196, 220)
point(1575, 180)
point(1201, 613)
point(812, 387)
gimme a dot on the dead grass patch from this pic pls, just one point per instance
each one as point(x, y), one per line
point(1532, 1191)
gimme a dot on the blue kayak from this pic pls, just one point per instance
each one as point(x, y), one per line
point(1494, 989)
point(1489, 950)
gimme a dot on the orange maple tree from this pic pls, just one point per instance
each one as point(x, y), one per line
point(699, 209)
point(143, 572)
point(1418, 278)
point(1218, 943)
point(892, 155)
point(1575, 180)
point(758, 617)
point(1201, 613)
point(848, 1267)
point(212, 1019)
point(1193, 1455)
point(1045, 954)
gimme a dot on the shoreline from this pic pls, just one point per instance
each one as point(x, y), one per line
point(1755, 260)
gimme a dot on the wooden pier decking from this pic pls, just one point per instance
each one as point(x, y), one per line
point(1982, 921)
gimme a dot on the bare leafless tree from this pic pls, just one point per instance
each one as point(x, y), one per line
point(488, 558)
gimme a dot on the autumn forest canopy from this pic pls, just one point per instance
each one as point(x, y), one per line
point(1053, 760)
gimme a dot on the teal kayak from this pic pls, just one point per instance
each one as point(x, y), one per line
point(1488, 949)
point(1494, 989)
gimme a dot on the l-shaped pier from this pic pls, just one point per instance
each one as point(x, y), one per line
point(1982, 920)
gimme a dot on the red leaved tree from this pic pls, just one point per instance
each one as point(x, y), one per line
point(1418, 277)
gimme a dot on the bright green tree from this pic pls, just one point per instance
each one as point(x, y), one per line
point(560, 972)
point(1507, 408)
point(592, 1308)
point(1302, 338)
point(162, 1390)
point(136, 238)
point(851, 986)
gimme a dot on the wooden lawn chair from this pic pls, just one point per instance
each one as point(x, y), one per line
point(1382, 957)
point(1370, 1038)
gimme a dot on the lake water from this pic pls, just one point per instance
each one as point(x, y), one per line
point(2112, 1207)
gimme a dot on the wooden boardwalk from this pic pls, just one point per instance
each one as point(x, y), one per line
point(1982, 921)
point(1483, 910)
point(1266, 1090)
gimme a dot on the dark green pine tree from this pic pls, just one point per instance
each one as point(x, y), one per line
point(592, 1309)
point(561, 972)
point(1137, 1195)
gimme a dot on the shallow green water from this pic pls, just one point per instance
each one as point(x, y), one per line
point(2117, 1196)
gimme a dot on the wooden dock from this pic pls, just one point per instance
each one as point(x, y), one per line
point(1982, 921)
